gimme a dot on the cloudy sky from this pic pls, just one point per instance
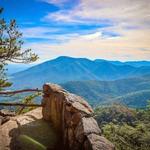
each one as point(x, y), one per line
point(108, 29)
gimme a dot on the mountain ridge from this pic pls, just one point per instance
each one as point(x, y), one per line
point(133, 92)
point(64, 69)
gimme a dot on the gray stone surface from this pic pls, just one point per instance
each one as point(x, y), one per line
point(85, 127)
point(72, 116)
point(97, 142)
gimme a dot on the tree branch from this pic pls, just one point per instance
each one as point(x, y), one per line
point(21, 104)
point(19, 91)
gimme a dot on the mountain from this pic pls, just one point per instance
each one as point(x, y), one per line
point(131, 63)
point(133, 92)
point(136, 99)
point(64, 69)
point(112, 62)
point(138, 63)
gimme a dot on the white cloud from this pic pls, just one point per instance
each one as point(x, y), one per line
point(132, 12)
point(38, 32)
point(130, 19)
point(129, 47)
point(46, 33)
point(55, 2)
point(92, 36)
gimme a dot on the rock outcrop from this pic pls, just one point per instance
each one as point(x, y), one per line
point(28, 132)
point(68, 124)
point(72, 117)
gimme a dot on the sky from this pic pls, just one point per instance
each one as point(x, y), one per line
point(106, 29)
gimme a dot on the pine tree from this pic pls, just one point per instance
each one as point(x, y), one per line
point(11, 48)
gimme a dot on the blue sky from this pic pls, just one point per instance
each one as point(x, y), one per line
point(108, 29)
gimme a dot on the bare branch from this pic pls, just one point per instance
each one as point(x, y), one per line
point(19, 91)
point(21, 104)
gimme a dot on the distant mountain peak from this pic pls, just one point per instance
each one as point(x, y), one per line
point(63, 69)
point(64, 57)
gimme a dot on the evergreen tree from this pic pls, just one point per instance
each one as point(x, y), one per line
point(11, 48)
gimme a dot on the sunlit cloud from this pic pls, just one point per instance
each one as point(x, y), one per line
point(124, 33)
point(126, 38)
point(128, 47)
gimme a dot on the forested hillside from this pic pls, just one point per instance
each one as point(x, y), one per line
point(132, 92)
point(128, 129)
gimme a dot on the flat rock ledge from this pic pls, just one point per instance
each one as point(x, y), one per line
point(72, 116)
point(28, 132)
point(11, 129)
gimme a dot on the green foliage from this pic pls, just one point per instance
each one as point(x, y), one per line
point(27, 100)
point(11, 48)
point(127, 137)
point(116, 114)
point(144, 114)
point(3, 79)
point(128, 129)
point(148, 105)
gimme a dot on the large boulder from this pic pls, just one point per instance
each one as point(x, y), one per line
point(72, 116)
